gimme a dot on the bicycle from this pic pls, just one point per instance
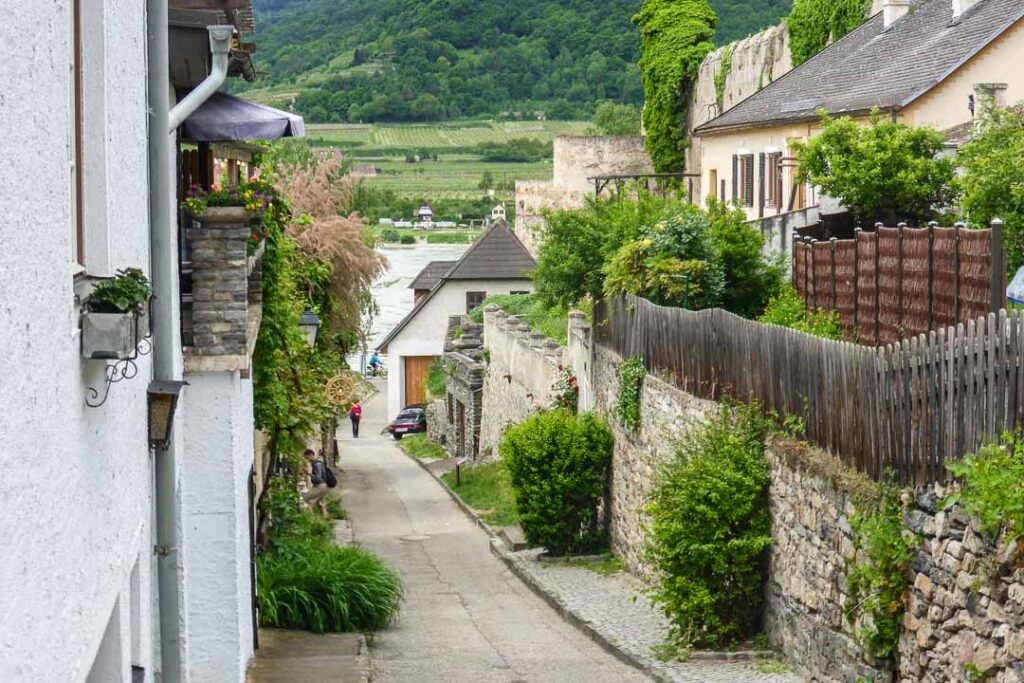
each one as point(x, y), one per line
point(381, 372)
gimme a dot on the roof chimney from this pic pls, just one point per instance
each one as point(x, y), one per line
point(894, 10)
point(961, 6)
point(987, 98)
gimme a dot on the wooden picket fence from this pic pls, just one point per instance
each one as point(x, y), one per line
point(895, 283)
point(904, 408)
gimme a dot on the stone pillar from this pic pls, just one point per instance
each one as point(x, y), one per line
point(220, 284)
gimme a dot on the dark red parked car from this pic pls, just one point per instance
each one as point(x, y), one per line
point(410, 420)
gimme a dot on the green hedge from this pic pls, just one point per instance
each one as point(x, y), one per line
point(558, 463)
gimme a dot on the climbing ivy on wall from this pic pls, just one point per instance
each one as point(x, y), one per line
point(723, 73)
point(675, 36)
point(813, 23)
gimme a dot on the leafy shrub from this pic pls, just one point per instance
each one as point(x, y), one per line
point(992, 486)
point(437, 380)
point(710, 529)
point(878, 584)
point(631, 378)
point(887, 171)
point(558, 463)
point(612, 118)
point(992, 184)
point(751, 280)
point(312, 584)
point(788, 310)
point(551, 321)
point(516, 150)
point(406, 238)
point(448, 238)
point(576, 244)
point(128, 291)
point(390, 235)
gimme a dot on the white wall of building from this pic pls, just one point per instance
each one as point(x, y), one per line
point(75, 495)
point(424, 335)
point(215, 477)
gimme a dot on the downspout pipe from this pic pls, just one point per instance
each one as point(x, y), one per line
point(220, 47)
point(167, 365)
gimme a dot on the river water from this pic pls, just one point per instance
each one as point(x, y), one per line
point(392, 291)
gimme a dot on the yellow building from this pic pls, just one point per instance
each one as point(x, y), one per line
point(923, 62)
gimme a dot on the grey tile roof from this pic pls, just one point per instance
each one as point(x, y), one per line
point(497, 255)
point(872, 67)
point(431, 274)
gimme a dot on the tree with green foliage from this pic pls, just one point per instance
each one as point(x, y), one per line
point(992, 184)
point(558, 463)
point(787, 309)
point(813, 24)
point(710, 529)
point(885, 171)
point(675, 36)
point(516, 150)
point(612, 118)
point(577, 242)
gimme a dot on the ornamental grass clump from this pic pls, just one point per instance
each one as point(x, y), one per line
point(710, 529)
point(558, 463)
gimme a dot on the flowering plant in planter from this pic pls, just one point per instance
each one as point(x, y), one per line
point(566, 390)
point(253, 195)
point(127, 292)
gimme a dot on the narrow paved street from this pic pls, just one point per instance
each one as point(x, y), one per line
point(466, 618)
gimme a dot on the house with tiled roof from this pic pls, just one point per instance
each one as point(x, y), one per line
point(922, 62)
point(497, 263)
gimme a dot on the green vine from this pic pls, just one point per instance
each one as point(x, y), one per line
point(992, 488)
point(878, 584)
point(813, 24)
point(675, 36)
point(723, 74)
point(631, 378)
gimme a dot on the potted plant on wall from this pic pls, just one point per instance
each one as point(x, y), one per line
point(230, 205)
point(116, 319)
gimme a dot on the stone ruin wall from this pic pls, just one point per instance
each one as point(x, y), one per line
point(522, 368)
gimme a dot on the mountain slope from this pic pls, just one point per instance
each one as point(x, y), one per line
point(409, 60)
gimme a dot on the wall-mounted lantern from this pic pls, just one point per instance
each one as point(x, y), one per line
point(309, 323)
point(163, 401)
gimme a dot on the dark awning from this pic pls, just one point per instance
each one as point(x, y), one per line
point(225, 118)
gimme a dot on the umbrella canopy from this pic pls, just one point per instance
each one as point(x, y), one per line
point(224, 118)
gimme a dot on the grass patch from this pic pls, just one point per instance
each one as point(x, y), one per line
point(437, 380)
point(335, 508)
point(488, 490)
point(419, 447)
point(608, 564)
point(772, 666)
point(551, 322)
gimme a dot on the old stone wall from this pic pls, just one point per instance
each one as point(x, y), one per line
point(665, 415)
point(522, 368)
point(533, 198)
point(965, 612)
point(463, 406)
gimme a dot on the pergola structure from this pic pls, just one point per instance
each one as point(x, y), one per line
point(662, 181)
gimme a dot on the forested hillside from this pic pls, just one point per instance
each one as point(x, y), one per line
point(424, 60)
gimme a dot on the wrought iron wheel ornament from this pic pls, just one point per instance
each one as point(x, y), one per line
point(118, 371)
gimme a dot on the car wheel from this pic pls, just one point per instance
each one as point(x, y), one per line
point(398, 437)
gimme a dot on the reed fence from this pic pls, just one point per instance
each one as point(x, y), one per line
point(905, 407)
point(896, 283)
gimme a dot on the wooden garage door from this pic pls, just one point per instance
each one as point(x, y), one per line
point(416, 368)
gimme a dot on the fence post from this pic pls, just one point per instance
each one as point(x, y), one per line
point(931, 275)
point(832, 251)
point(899, 279)
point(878, 310)
point(997, 259)
point(856, 278)
point(956, 269)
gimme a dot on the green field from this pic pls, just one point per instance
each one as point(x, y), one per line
point(457, 172)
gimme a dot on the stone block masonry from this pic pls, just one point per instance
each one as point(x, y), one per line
point(220, 282)
point(464, 368)
point(522, 368)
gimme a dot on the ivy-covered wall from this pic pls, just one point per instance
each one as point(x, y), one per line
point(813, 24)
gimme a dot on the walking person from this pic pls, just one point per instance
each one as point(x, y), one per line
point(315, 495)
point(355, 414)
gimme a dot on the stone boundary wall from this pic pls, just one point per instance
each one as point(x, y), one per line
point(522, 367)
point(464, 370)
point(966, 604)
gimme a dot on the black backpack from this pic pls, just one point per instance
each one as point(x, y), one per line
point(329, 477)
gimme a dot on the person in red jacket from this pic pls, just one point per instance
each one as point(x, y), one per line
point(355, 414)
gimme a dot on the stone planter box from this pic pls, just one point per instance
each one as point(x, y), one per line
point(112, 336)
point(217, 216)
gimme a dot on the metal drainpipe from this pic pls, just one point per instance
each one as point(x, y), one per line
point(166, 336)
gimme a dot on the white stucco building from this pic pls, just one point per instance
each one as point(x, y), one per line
point(497, 263)
point(122, 562)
